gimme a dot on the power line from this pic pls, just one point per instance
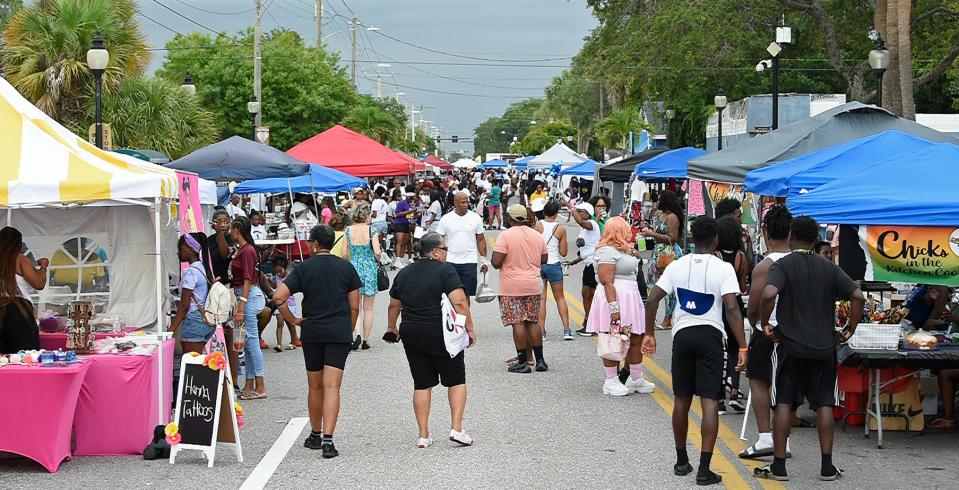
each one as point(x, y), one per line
point(151, 19)
point(485, 96)
point(188, 19)
point(211, 11)
point(348, 8)
point(457, 55)
point(291, 12)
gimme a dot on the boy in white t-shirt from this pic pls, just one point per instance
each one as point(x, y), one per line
point(704, 286)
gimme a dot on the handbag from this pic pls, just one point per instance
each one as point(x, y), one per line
point(484, 293)
point(382, 280)
point(614, 345)
point(666, 257)
point(455, 336)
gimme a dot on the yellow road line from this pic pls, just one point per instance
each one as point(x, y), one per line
point(726, 435)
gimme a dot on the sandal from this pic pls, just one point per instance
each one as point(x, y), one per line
point(753, 452)
point(251, 396)
point(942, 423)
point(278, 348)
point(290, 347)
point(766, 473)
point(833, 477)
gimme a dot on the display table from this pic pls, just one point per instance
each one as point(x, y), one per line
point(118, 403)
point(874, 360)
point(38, 411)
point(298, 250)
point(58, 340)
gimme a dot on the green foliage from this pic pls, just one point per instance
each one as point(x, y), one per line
point(7, 8)
point(373, 119)
point(613, 131)
point(496, 133)
point(157, 115)
point(45, 47)
point(304, 91)
point(544, 136)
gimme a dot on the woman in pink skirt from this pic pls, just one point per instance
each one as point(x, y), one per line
point(619, 303)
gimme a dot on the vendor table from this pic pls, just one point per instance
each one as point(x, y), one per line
point(117, 408)
point(38, 411)
point(58, 340)
point(874, 360)
point(278, 241)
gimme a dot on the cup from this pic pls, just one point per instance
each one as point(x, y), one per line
point(239, 338)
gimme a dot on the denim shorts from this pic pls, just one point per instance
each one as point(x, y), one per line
point(194, 329)
point(552, 273)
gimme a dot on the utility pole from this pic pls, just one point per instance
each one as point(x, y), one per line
point(318, 14)
point(353, 25)
point(257, 68)
point(379, 86)
point(602, 101)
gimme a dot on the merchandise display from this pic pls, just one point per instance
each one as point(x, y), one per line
point(42, 357)
point(921, 340)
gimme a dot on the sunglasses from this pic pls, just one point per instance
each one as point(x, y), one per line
point(443, 248)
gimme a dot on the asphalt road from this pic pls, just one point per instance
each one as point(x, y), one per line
point(541, 430)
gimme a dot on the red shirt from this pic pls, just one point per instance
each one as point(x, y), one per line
point(243, 267)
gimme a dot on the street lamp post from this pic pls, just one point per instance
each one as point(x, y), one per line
point(97, 60)
point(720, 102)
point(253, 107)
point(188, 85)
point(879, 61)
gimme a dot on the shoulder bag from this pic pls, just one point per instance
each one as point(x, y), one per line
point(614, 345)
point(382, 279)
point(666, 257)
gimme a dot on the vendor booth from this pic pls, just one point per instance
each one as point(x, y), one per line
point(438, 162)
point(523, 163)
point(351, 152)
point(496, 163)
point(320, 179)
point(558, 153)
point(106, 222)
point(465, 163)
point(237, 158)
point(671, 164)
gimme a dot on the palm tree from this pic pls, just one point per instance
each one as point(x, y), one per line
point(45, 45)
point(372, 121)
point(614, 129)
point(157, 115)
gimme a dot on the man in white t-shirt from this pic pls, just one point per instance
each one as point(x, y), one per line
point(704, 286)
point(235, 208)
point(465, 241)
point(379, 210)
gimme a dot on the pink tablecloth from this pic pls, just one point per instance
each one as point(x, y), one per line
point(58, 340)
point(38, 409)
point(117, 407)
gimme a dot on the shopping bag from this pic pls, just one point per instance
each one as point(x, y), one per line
point(454, 328)
point(666, 257)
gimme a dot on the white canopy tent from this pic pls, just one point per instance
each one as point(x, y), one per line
point(558, 153)
point(465, 163)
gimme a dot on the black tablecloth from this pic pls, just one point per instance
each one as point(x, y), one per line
point(941, 358)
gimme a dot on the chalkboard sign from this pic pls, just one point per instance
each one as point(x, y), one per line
point(198, 404)
point(205, 413)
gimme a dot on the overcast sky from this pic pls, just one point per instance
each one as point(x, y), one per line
point(492, 29)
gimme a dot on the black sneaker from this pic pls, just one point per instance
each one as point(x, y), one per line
point(356, 342)
point(519, 367)
point(329, 451)
point(365, 345)
point(737, 405)
point(541, 366)
point(722, 407)
point(313, 442)
point(583, 333)
point(682, 470)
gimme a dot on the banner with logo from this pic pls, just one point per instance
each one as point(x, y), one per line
point(921, 254)
point(189, 212)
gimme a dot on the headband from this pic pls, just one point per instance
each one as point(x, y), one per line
point(192, 243)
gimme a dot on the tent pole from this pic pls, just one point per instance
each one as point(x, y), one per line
point(159, 303)
point(296, 239)
point(9, 213)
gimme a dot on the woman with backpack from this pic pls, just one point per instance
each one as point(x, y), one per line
point(194, 285)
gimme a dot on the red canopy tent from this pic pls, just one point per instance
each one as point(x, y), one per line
point(348, 151)
point(417, 165)
point(438, 162)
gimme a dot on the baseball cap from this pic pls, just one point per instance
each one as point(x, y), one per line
point(585, 206)
point(517, 212)
point(537, 205)
point(428, 184)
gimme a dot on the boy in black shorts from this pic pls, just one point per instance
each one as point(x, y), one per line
point(759, 369)
point(803, 288)
point(704, 286)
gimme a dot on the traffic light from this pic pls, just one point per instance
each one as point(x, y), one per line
point(455, 139)
point(438, 139)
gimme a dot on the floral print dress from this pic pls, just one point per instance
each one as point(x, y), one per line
point(364, 261)
point(654, 273)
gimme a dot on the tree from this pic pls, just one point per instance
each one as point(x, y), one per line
point(574, 97)
point(45, 48)
point(7, 8)
point(496, 133)
point(372, 119)
point(304, 91)
point(614, 129)
point(544, 136)
point(155, 114)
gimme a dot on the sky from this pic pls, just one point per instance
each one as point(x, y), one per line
point(473, 33)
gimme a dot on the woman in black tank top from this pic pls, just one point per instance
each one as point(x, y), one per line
point(730, 249)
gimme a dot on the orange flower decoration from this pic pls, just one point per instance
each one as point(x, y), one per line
point(174, 439)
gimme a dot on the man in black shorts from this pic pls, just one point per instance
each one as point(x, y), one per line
point(759, 369)
point(331, 305)
point(803, 288)
point(704, 286)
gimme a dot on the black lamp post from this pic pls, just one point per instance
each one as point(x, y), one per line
point(720, 102)
point(879, 61)
point(253, 107)
point(97, 60)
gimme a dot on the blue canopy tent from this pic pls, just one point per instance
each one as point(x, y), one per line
point(497, 163)
point(809, 171)
point(523, 163)
point(320, 179)
point(585, 169)
point(911, 189)
point(671, 164)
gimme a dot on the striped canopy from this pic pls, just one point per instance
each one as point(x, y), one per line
point(44, 163)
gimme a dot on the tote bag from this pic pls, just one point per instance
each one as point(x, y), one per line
point(454, 328)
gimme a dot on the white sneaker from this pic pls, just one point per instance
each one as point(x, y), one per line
point(461, 437)
point(424, 442)
point(639, 385)
point(615, 387)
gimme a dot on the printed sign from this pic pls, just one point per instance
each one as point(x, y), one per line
point(190, 214)
point(922, 254)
